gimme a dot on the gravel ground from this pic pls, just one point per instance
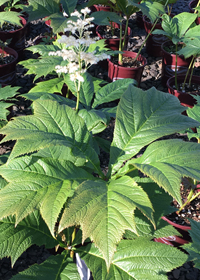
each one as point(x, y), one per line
point(151, 77)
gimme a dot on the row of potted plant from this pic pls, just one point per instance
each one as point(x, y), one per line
point(53, 189)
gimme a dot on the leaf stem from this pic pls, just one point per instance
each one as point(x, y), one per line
point(73, 237)
point(146, 38)
point(190, 66)
point(197, 7)
point(176, 84)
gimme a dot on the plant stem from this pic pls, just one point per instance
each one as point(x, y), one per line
point(77, 99)
point(146, 38)
point(176, 84)
point(197, 7)
point(191, 64)
point(120, 47)
point(73, 237)
point(188, 199)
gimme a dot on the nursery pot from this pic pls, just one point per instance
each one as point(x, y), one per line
point(176, 240)
point(113, 43)
point(154, 41)
point(192, 5)
point(116, 72)
point(18, 37)
point(186, 99)
point(8, 71)
point(169, 64)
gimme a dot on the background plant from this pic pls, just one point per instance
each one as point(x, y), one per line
point(6, 101)
point(59, 189)
point(57, 11)
point(193, 248)
point(126, 8)
point(176, 29)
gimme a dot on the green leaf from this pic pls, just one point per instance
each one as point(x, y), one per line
point(161, 205)
point(142, 117)
point(32, 182)
point(51, 125)
point(98, 208)
point(41, 49)
point(15, 240)
point(58, 22)
point(10, 17)
point(152, 10)
point(54, 97)
point(137, 259)
point(69, 5)
point(191, 48)
point(95, 120)
point(42, 67)
point(183, 21)
point(110, 92)
point(103, 143)
point(104, 18)
point(8, 92)
point(3, 110)
point(194, 248)
point(61, 153)
point(42, 8)
point(55, 267)
point(50, 86)
point(86, 91)
point(167, 161)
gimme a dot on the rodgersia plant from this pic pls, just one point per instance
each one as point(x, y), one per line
point(53, 191)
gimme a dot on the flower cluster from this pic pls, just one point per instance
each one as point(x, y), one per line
point(76, 47)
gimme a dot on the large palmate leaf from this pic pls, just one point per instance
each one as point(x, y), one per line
point(42, 8)
point(56, 267)
point(34, 183)
point(142, 117)
point(52, 124)
point(167, 161)
point(15, 240)
point(137, 259)
point(104, 211)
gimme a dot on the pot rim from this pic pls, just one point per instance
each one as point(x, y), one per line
point(181, 77)
point(12, 52)
point(24, 23)
point(186, 228)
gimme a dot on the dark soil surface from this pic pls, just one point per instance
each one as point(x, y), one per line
point(151, 77)
point(128, 62)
